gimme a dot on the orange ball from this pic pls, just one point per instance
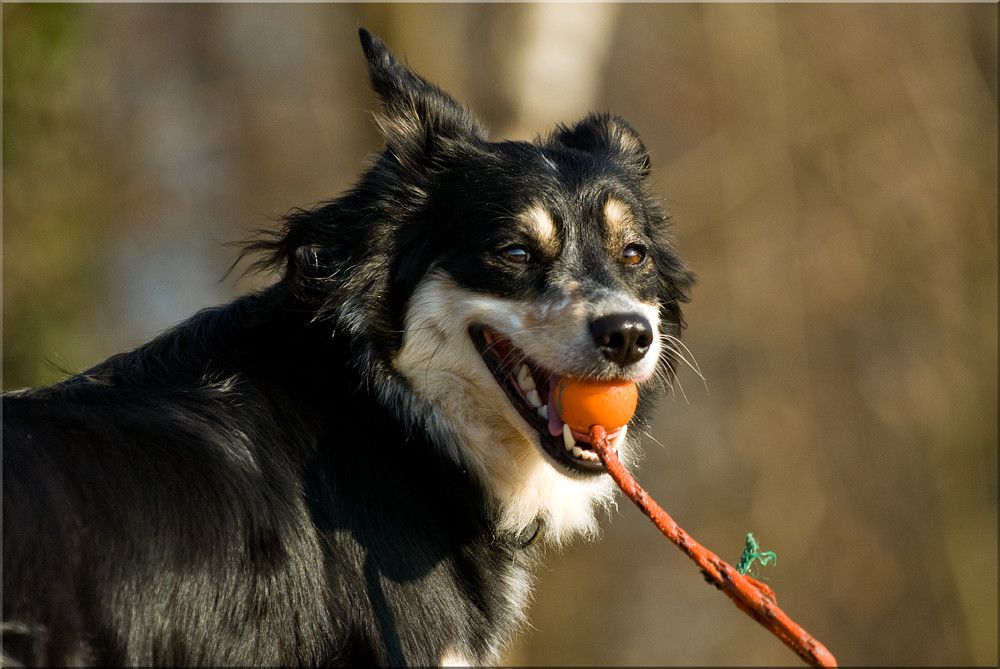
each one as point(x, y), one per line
point(582, 403)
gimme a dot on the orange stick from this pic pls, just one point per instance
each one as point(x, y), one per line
point(749, 594)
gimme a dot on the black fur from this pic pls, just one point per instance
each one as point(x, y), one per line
point(250, 487)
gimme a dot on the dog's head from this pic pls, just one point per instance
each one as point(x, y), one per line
point(476, 274)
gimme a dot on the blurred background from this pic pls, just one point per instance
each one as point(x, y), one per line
point(832, 172)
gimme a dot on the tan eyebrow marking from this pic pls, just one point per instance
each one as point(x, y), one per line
point(618, 216)
point(540, 224)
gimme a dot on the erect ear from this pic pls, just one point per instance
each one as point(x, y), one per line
point(417, 115)
point(605, 134)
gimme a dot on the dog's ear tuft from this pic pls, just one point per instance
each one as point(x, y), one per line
point(605, 134)
point(417, 115)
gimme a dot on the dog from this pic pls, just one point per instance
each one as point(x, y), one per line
point(363, 462)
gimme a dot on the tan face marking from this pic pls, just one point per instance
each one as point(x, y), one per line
point(542, 228)
point(618, 217)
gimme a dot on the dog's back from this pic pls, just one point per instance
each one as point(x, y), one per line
point(182, 504)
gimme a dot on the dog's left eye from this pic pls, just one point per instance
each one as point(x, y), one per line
point(633, 254)
point(516, 254)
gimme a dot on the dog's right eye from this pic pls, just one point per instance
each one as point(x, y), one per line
point(516, 254)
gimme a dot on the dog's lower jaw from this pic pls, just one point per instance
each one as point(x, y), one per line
point(522, 485)
point(529, 487)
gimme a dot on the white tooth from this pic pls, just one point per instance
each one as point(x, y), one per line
point(568, 439)
point(577, 451)
point(619, 438)
point(534, 399)
point(589, 455)
point(524, 379)
point(543, 411)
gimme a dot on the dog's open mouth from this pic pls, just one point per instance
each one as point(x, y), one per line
point(531, 389)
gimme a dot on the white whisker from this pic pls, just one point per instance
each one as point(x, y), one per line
point(649, 435)
point(676, 350)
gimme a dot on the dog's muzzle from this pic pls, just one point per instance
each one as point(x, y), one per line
point(621, 339)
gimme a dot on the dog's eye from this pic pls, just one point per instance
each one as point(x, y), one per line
point(516, 254)
point(633, 254)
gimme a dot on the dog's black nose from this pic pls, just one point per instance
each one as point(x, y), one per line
point(622, 338)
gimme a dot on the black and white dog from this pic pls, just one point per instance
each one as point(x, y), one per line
point(360, 463)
